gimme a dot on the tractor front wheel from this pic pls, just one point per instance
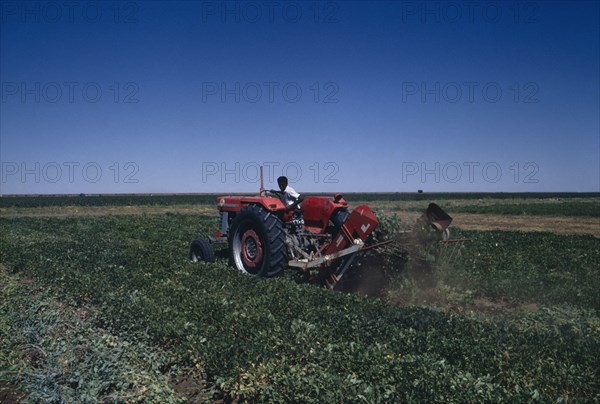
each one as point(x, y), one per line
point(201, 250)
point(257, 242)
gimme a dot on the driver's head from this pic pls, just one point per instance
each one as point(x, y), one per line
point(282, 182)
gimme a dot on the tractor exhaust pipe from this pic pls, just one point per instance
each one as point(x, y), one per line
point(262, 182)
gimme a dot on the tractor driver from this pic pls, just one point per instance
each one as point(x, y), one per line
point(290, 197)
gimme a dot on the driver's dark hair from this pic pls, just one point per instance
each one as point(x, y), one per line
point(282, 179)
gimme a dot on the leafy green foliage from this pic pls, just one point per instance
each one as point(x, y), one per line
point(541, 267)
point(275, 340)
point(67, 358)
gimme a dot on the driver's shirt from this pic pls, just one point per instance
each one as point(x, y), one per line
point(290, 195)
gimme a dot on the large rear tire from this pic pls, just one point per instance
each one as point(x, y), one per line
point(257, 242)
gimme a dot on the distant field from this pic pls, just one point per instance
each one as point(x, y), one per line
point(190, 199)
point(563, 213)
point(533, 204)
point(103, 200)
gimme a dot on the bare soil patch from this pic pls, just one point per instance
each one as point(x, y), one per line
point(9, 393)
point(558, 225)
point(476, 221)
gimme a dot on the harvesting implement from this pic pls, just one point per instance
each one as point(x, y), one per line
point(321, 239)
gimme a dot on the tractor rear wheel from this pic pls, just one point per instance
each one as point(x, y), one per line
point(257, 242)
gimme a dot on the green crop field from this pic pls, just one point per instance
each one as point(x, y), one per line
point(109, 309)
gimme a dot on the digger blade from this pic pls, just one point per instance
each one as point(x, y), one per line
point(435, 216)
point(337, 275)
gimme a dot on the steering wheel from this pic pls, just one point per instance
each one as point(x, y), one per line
point(273, 192)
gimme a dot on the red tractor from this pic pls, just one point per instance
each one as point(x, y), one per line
point(322, 238)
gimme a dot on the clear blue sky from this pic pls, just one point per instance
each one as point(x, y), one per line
point(151, 96)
